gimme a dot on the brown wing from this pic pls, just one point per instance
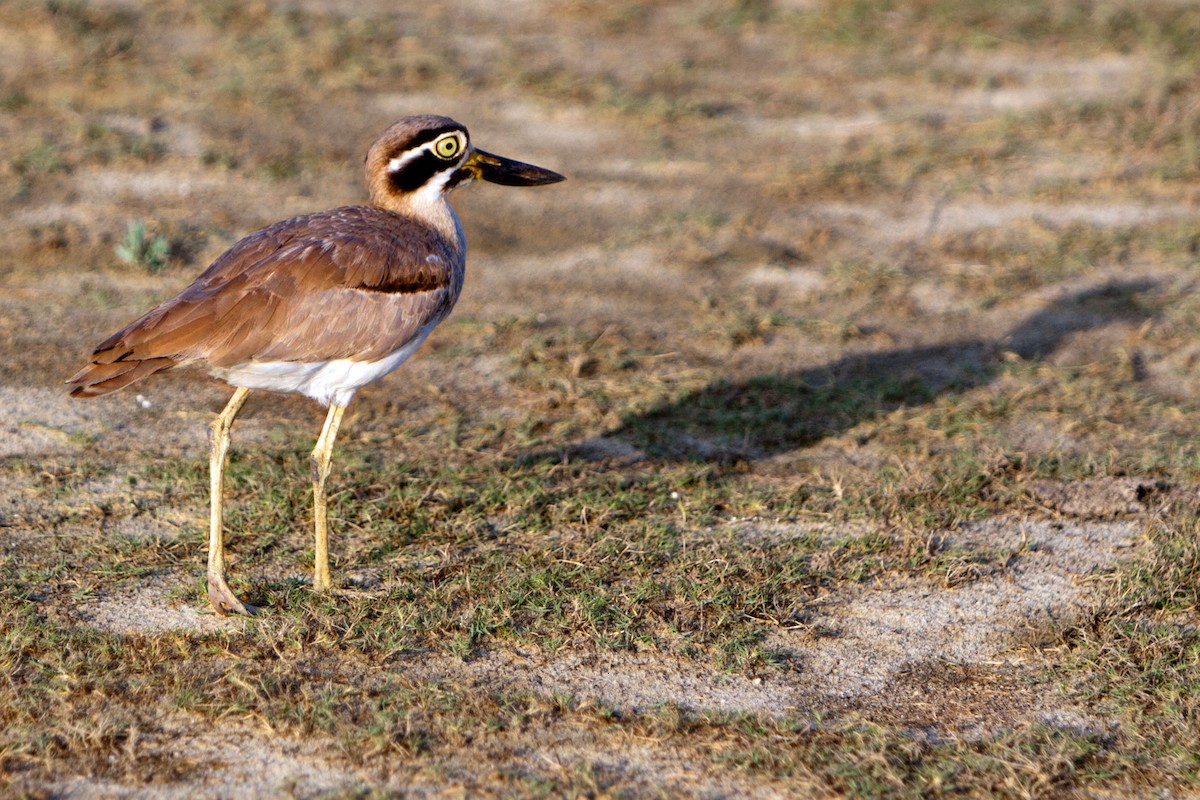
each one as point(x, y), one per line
point(354, 283)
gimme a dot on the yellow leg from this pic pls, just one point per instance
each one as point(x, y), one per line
point(322, 456)
point(220, 597)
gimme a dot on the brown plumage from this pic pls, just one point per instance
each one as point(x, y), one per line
point(339, 284)
point(320, 304)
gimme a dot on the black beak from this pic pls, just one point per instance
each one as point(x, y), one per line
point(506, 172)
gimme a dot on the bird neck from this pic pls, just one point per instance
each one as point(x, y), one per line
point(431, 208)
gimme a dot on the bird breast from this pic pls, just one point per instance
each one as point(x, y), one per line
point(331, 381)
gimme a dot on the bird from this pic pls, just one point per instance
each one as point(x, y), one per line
point(320, 304)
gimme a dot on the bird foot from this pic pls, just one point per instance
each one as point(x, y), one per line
point(223, 600)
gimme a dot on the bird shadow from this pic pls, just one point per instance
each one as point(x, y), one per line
point(765, 415)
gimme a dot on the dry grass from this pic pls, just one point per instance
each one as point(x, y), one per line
point(832, 288)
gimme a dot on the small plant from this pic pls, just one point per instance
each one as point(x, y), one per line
point(138, 249)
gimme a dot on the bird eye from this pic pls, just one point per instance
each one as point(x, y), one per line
point(447, 147)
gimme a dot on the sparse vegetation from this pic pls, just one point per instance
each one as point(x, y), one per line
point(831, 315)
point(142, 250)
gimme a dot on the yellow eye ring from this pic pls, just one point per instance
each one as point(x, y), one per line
point(447, 147)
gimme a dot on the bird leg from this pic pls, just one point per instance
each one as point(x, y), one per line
point(322, 456)
point(220, 597)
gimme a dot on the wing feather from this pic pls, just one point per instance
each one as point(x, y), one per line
point(352, 283)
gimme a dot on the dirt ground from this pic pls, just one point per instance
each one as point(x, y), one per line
point(838, 407)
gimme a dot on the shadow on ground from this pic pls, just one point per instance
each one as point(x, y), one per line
point(775, 413)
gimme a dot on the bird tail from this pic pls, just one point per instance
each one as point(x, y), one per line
point(97, 378)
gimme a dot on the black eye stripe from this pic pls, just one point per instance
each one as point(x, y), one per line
point(431, 134)
point(417, 172)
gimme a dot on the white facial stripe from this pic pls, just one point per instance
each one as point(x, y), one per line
point(398, 163)
point(432, 191)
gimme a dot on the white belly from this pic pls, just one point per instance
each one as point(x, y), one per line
point(333, 381)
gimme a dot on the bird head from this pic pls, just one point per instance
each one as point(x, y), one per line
point(419, 159)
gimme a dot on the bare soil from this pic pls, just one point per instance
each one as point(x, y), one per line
point(756, 209)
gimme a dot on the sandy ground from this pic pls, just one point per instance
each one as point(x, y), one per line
point(599, 253)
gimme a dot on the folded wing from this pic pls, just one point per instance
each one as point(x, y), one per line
point(352, 283)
